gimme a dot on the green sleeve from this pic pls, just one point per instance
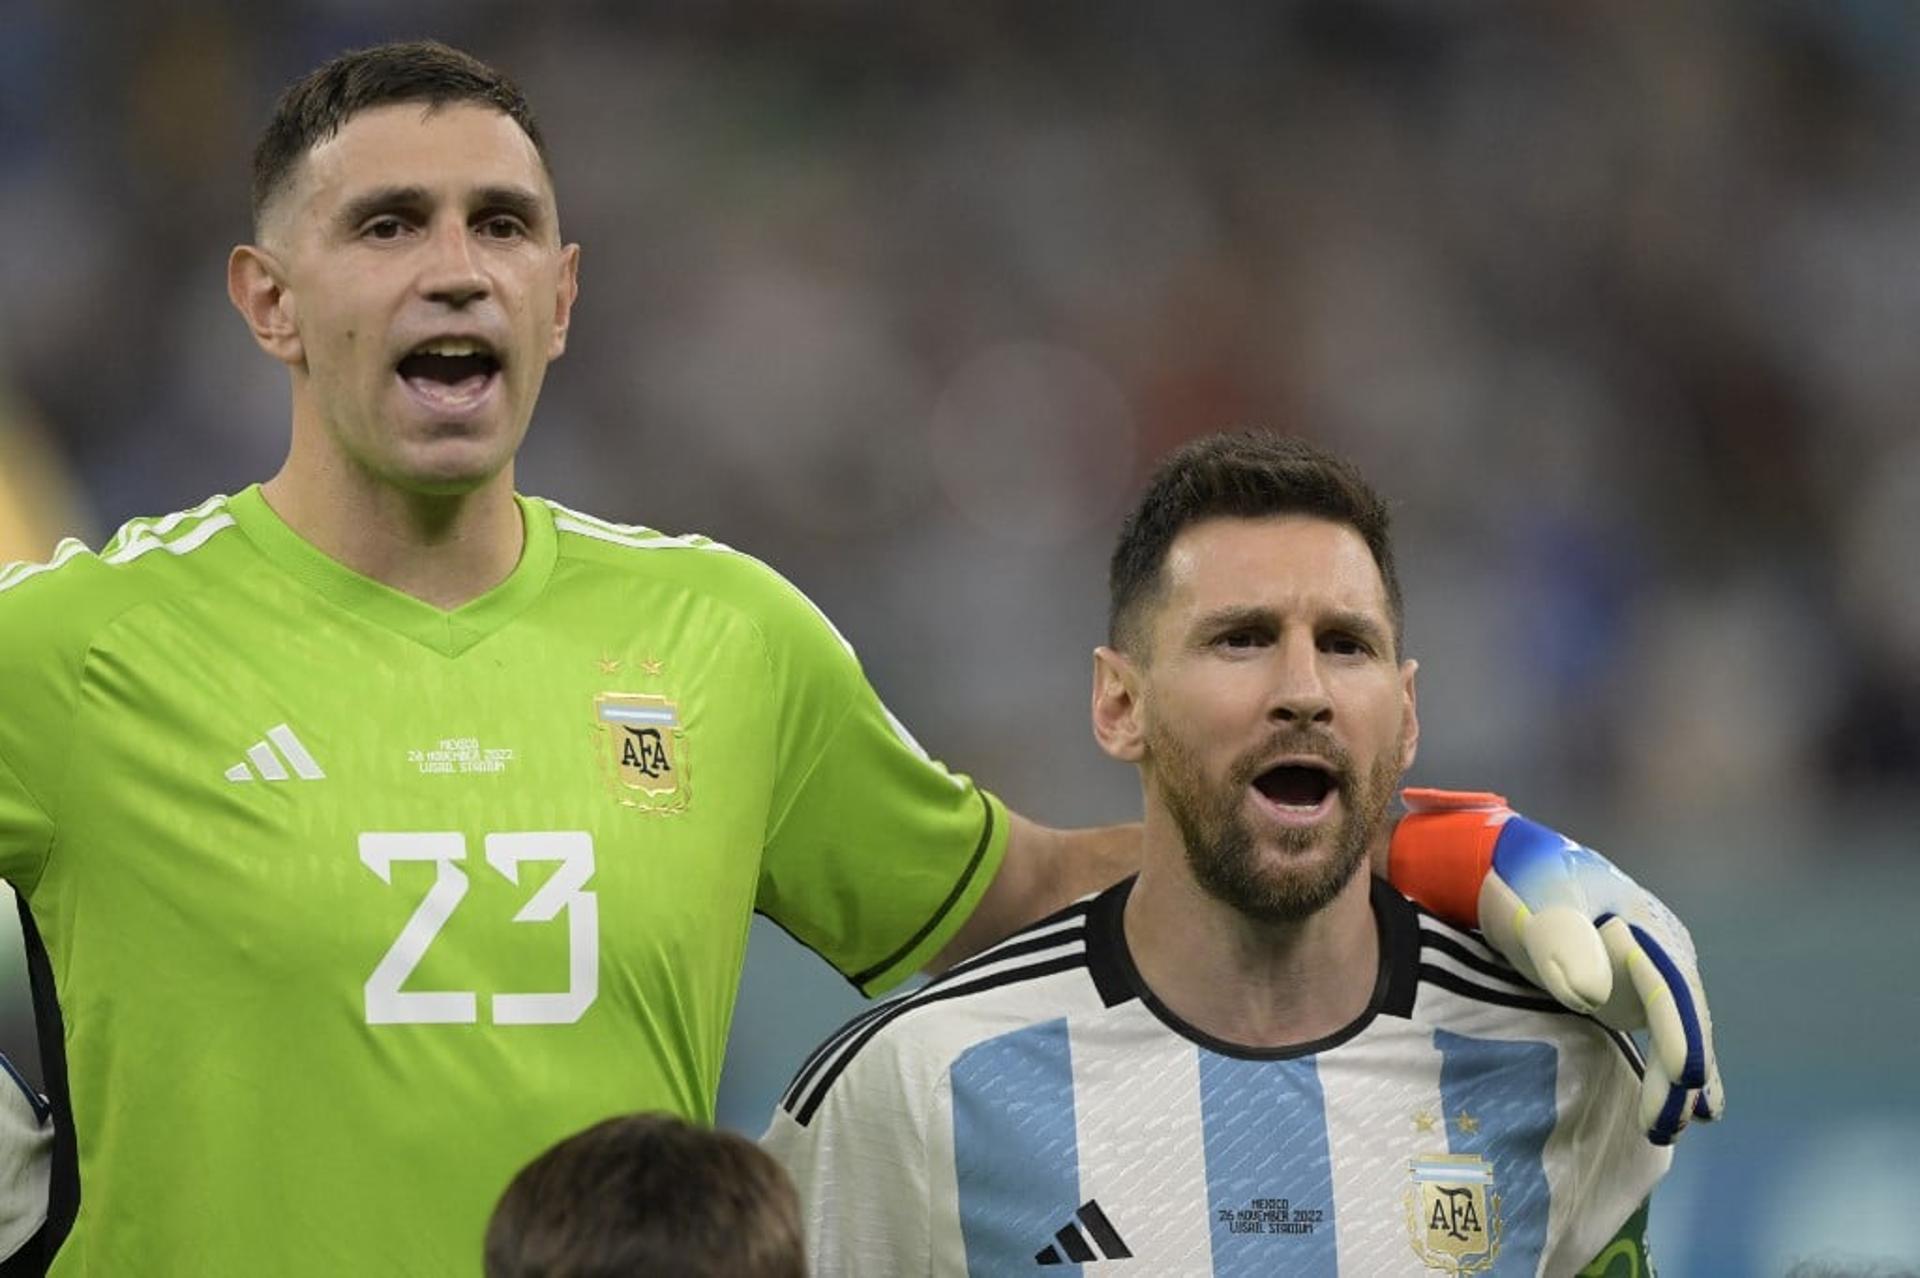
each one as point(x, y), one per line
point(26, 831)
point(875, 854)
point(38, 672)
point(1627, 1255)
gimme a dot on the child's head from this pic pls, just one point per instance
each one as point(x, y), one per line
point(648, 1194)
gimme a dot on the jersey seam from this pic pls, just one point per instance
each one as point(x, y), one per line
point(65, 768)
point(753, 623)
point(845, 713)
point(943, 1086)
point(63, 771)
point(53, 826)
point(819, 756)
point(969, 873)
point(850, 693)
point(1590, 1103)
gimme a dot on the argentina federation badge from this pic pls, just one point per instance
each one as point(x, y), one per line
point(643, 751)
point(1453, 1214)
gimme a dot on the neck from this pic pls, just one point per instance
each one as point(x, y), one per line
point(1247, 981)
point(443, 549)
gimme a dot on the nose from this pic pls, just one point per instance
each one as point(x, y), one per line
point(452, 273)
point(1299, 695)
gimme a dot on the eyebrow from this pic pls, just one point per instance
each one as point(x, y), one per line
point(516, 200)
point(1237, 616)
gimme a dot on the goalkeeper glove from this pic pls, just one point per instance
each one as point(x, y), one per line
point(1569, 921)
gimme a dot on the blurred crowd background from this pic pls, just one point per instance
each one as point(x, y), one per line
point(1610, 298)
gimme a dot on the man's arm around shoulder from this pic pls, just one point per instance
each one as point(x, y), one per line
point(1043, 870)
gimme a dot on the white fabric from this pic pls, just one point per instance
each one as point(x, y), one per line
point(26, 1158)
point(872, 1141)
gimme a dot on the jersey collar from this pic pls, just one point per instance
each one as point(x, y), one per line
point(1111, 964)
point(449, 633)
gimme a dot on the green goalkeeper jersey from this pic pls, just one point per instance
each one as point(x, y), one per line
point(351, 906)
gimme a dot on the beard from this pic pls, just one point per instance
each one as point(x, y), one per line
point(1220, 843)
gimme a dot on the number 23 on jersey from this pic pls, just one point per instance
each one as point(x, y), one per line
point(565, 893)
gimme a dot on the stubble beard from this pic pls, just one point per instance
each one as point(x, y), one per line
point(1220, 845)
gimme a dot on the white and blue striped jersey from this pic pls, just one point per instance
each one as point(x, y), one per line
point(1037, 1109)
point(26, 1160)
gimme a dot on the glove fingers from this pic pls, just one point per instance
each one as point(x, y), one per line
point(1569, 956)
point(1503, 916)
point(1627, 1009)
point(1664, 1106)
point(1676, 1015)
point(1712, 1100)
point(1659, 1010)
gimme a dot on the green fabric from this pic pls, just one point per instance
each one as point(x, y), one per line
point(314, 1023)
point(1627, 1255)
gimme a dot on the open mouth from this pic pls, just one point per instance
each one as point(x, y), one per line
point(1303, 787)
point(450, 374)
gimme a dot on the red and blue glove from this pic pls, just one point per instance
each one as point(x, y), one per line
point(1569, 921)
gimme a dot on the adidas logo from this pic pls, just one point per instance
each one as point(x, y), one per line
point(1070, 1246)
point(269, 765)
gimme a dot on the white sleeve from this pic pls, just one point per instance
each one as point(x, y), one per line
point(26, 1158)
point(1611, 1166)
point(859, 1162)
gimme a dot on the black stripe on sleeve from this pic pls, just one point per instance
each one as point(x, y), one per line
point(1016, 947)
point(1629, 1049)
point(806, 1108)
point(819, 1055)
point(861, 978)
point(1486, 967)
point(1458, 984)
point(1471, 937)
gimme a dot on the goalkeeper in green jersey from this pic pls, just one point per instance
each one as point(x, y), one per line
point(377, 826)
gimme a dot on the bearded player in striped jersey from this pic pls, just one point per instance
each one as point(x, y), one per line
point(378, 826)
point(1253, 1058)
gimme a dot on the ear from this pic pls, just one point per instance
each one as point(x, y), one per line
point(255, 283)
point(1117, 711)
point(1410, 720)
point(563, 300)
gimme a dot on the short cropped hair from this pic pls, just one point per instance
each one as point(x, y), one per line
point(648, 1194)
point(314, 107)
point(1245, 475)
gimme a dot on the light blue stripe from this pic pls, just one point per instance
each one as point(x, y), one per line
point(1452, 1172)
point(625, 715)
point(1506, 1089)
point(1015, 1152)
point(1265, 1131)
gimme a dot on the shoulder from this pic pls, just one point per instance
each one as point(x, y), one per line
point(635, 549)
point(690, 561)
point(1037, 975)
point(57, 605)
point(1466, 986)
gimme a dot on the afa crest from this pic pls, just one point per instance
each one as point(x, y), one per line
point(1453, 1215)
point(643, 750)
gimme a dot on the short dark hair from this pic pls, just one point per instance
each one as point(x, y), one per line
point(1243, 475)
point(314, 107)
point(648, 1194)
